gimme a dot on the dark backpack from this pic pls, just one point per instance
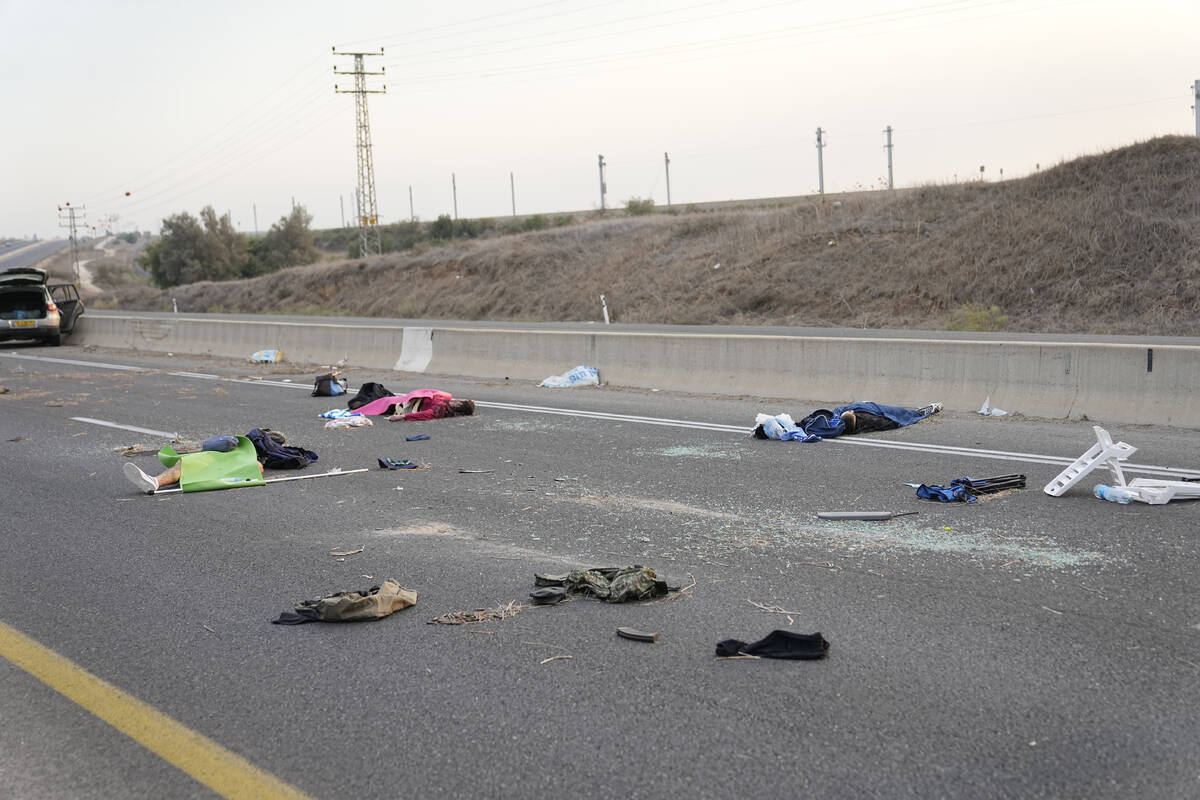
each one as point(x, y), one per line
point(366, 394)
point(329, 385)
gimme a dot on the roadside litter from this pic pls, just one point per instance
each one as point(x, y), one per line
point(1106, 452)
point(636, 635)
point(967, 489)
point(338, 413)
point(351, 421)
point(777, 644)
point(579, 376)
point(267, 356)
point(987, 410)
point(331, 384)
point(355, 606)
point(510, 609)
point(611, 584)
point(400, 463)
point(420, 437)
point(864, 515)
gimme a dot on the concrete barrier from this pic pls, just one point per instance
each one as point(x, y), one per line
point(1126, 383)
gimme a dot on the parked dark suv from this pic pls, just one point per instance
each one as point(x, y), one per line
point(32, 309)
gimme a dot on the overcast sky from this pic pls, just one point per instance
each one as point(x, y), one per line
point(232, 104)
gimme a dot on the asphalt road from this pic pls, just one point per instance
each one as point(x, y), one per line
point(29, 254)
point(1022, 646)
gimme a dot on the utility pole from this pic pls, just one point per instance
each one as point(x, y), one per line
point(888, 147)
point(667, 164)
point(820, 163)
point(412, 214)
point(365, 206)
point(512, 186)
point(1196, 105)
point(603, 186)
point(72, 222)
point(454, 191)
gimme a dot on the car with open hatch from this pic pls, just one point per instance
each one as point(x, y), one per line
point(33, 308)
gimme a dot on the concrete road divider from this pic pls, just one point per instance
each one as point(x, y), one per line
point(1113, 382)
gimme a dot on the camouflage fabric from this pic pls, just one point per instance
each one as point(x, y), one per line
point(374, 603)
point(612, 584)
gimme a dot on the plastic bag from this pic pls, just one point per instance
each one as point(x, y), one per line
point(580, 376)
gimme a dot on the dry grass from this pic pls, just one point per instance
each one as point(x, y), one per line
point(1102, 244)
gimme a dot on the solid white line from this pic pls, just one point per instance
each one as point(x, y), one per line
point(172, 435)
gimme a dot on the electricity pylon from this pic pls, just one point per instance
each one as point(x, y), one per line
point(72, 223)
point(368, 213)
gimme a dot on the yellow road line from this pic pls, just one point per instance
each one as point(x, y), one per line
point(226, 773)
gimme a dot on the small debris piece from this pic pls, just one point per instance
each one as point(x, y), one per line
point(345, 552)
point(475, 471)
point(553, 658)
point(636, 635)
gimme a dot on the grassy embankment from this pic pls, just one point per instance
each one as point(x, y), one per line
point(1101, 244)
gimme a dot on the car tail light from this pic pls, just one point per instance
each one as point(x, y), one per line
point(51, 307)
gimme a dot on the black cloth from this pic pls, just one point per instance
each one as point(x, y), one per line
point(368, 393)
point(778, 644)
point(866, 422)
point(274, 455)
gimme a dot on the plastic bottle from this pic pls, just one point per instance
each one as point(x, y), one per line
point(1114, 494)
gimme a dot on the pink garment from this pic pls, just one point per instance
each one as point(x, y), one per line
point(384, 405)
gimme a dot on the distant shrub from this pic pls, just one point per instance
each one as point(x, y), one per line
point(639, 205)
point(976, 317)
point(128, 238)
point(442, 228)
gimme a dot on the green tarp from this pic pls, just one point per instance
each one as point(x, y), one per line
point(209, 469)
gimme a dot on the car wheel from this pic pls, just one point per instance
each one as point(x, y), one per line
point(56, 340)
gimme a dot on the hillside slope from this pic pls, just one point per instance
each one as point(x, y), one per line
point(1101, 244)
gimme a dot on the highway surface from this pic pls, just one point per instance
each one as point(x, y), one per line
point(29, 254)
point(1021, 646)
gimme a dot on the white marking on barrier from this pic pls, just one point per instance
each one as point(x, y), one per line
point(416, 350)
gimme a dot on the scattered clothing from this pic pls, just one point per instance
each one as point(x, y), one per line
point(956, 492)
point(612, 584)
point(374, 603)
point(580, 376)
point(964, 490)
point(548, 595)
point(338, 413)
point(778, 644)
point(420, 437)
point(367, 393)
point(352, 421)
point(394, 463)
point(274, 455)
